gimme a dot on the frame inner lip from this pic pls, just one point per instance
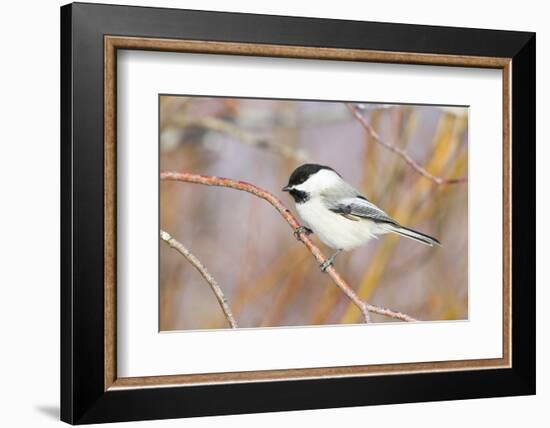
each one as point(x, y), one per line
point(113, 43)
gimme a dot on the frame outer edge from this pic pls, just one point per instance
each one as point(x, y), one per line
point(523, 148)
point(80, 393)
point(66, 304)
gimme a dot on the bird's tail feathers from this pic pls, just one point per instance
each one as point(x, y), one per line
point(413, 234)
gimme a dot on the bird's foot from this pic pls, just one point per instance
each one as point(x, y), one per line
point(302, 229)
point(324, 266)
point(328, 262)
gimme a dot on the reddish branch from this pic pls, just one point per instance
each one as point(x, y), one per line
point(365, 308)
point(400, 152)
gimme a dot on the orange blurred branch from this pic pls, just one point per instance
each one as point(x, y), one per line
point(205, 274)
point(400, 152)
point(227, 128)
point(364, 307)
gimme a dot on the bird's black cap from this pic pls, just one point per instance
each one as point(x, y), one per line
point(303, 172)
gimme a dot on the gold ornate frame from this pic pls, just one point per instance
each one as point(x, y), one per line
point(113, 43)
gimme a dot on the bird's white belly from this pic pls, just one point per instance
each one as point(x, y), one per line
point(335, 230)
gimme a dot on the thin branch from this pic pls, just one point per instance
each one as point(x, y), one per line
point(205, 274)
point(400, 152)
point(390, 313)
point(225, 127)
point(365, 308)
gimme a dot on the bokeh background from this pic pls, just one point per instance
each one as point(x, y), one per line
point(268, 277)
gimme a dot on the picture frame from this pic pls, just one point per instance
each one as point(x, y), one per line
point(91, 35)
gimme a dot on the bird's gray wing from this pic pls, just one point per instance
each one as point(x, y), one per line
point(358, 208)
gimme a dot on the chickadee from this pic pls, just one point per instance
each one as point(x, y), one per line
point(338, 214)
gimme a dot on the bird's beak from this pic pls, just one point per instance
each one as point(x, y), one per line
point(286, 189)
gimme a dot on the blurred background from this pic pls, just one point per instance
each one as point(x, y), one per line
point(268, 277)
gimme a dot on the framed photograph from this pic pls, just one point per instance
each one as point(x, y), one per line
point(265, 213)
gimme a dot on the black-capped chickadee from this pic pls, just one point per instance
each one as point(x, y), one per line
point(338, 214)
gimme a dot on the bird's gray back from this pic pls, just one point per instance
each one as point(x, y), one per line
point(346, 200)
